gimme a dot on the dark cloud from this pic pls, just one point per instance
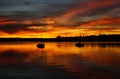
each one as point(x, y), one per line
point(65, 13)
point(55, 9)
point(44, 8)
point(103, 10)
point(102, 23)
point(13, 28)
point(94, 9)
point(34, 8)
point(33, 11)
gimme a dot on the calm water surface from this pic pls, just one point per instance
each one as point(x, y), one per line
point(59, 60)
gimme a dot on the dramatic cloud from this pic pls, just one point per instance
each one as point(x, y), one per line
point(91, 8)
point(57, 17)
point(13, 26)
point(103, 22)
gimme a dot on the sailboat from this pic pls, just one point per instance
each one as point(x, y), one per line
point(79, 44)
point(41, 45)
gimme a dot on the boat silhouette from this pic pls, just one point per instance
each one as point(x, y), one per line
point(41, 45)
point(79, 45)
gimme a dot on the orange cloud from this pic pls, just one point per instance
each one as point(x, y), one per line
point(88, 6)
point(97, 31)
point(103, 21)
point(5, 21)
point(9, 22)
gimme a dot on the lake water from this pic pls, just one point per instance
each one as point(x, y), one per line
point(59, 60)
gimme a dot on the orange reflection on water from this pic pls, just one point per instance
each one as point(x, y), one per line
point(91, 58)
point(53, 50)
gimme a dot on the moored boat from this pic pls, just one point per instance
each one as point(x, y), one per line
point(41, 45)
point(79, 45)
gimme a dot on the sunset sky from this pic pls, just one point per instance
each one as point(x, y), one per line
point(50, 18)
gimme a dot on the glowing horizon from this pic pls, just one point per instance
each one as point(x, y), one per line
point(48, 20)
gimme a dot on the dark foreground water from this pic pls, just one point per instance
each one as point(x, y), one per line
point(59, 60)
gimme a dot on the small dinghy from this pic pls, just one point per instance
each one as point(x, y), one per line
point(79, 45)
point(41, 45)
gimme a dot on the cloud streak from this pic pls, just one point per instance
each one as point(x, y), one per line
point(38, 16)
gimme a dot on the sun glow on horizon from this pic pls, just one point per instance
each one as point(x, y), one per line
point(81, 19)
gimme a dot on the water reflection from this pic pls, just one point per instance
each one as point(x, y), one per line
point(63, 59)
point(12, 57)
point(104, 44)
point(12, 53)
point(40, 57)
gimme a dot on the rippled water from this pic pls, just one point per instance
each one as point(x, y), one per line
point(59, 60)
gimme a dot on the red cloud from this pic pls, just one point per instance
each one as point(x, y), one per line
point(104, 21)
point(3, 19)
point(85, 6)
point(6, 21)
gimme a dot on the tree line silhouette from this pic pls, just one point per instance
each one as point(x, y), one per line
point(92, 38)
